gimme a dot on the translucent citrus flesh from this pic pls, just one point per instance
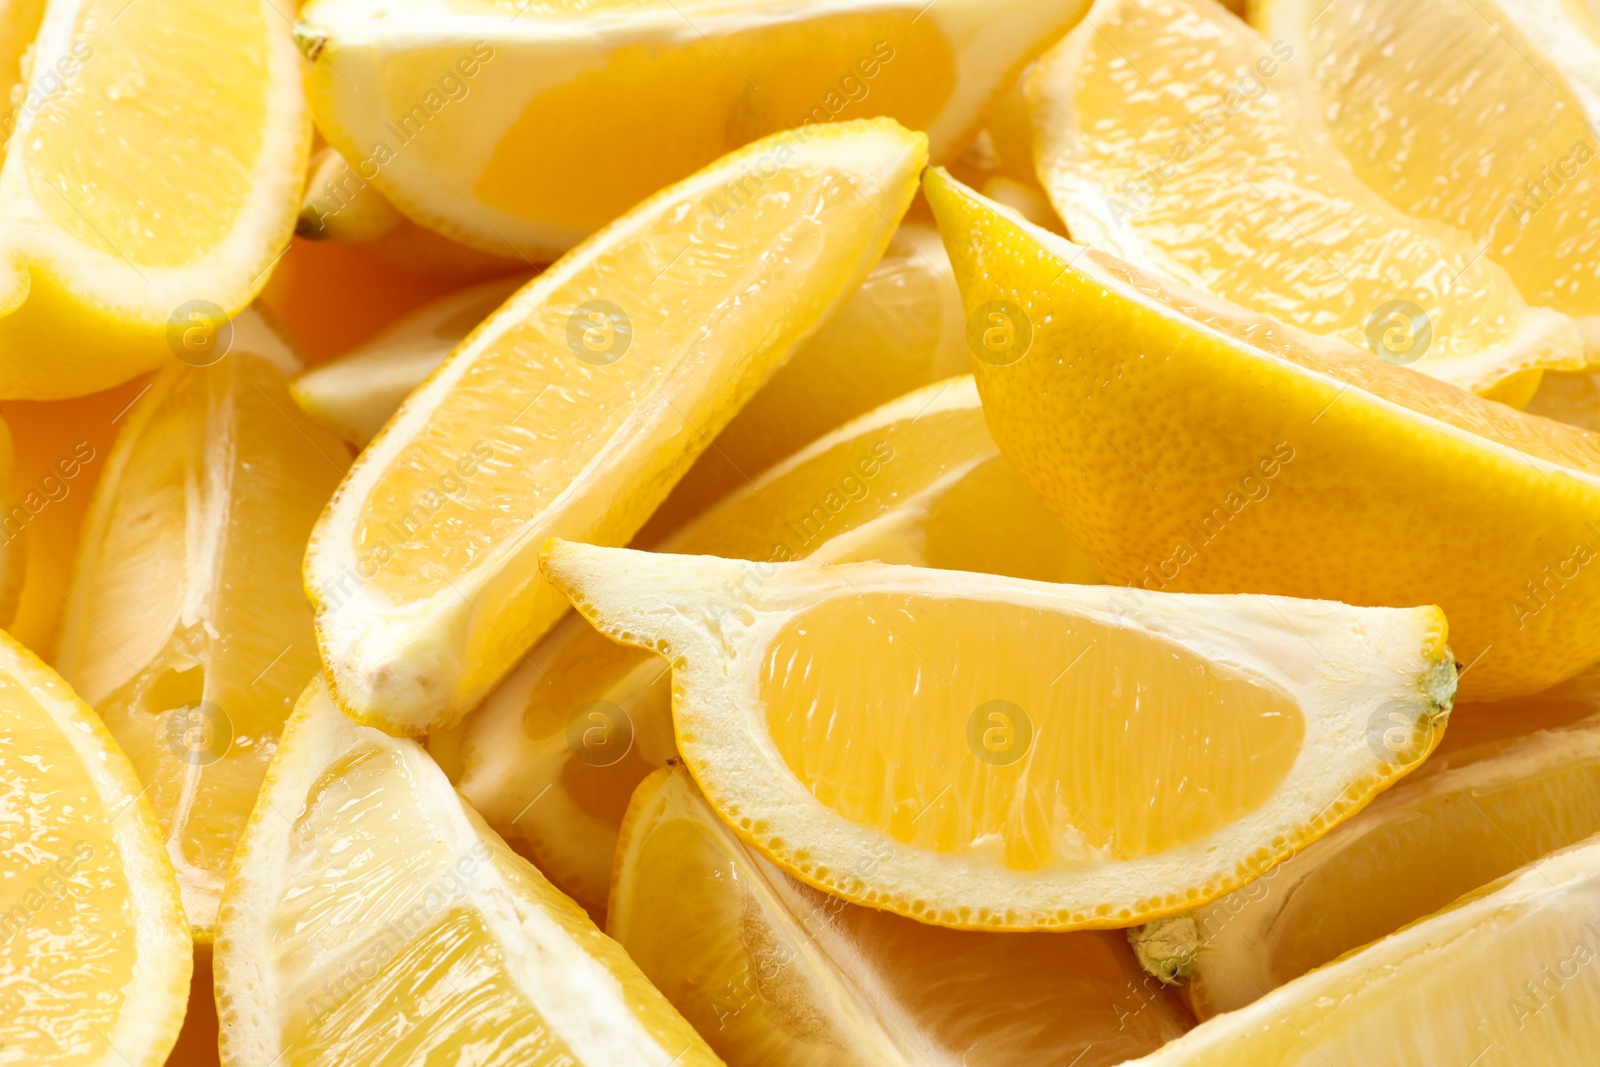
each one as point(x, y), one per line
point(1137, 745)
point(67, 952)
point(88, 153)
point(1435, 138)
point(774, 972)
point(19, 23)
point(1190, 105)
point(191, 635)
point(1452, 530)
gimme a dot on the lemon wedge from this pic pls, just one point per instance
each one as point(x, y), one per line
point(1435, 138)
point(364, 888)
point(577, 406)
point(552, 755)
point(1168, 135)
point(187, 629)
point(1104, 765)
point(1503, 976)
point(773, 972)
point(502, 124)
point(152, 182)
point(1261, 459)
point(94, 950)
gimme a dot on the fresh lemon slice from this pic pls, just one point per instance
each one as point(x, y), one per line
point(1503, 977)
point(576, 407)
point(775, 973)
point(1167, 136)
point(353, 396)
point(365, 892)
point(1101, 766)
point(552, 756)
point(19, 24)
point(1260, 459)
point(504, 125)
point(94, 950)
point(152, 182)
point(1462, 822)
point(1436, 138)
point(187, 630)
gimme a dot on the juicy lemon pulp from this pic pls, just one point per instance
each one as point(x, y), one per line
point(1063, 742)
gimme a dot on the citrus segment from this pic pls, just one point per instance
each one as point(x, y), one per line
point(774, 972)
point(365, 891)
point(1258, 459)
point(576, 407)
point(1166, 137)
point(972, 818)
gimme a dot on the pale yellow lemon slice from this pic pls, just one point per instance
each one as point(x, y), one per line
point(520, 128)
point(552, 756)
point(187, 628)
point(1257, 458)
point(576, 406)
point(862, 726)
point(775, 973)
point(373, 918)
point(1168, 134)
point(94, 949)
point(152, 181)
point(1504, 976)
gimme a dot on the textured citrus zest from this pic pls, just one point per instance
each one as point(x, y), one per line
point(365, 889)
point(855, 986)
point(1472, 817)
point(95, 956)
point(574, 409)
point(189, 632)
point(1167, 135)
point(791, 715)
point(1504, 974)
point(1434, 138)
point(552, 755)
point(457, 143)
point(114, 232)
point(1275, 454)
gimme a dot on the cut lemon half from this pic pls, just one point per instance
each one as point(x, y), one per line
point(1503, 976)
point(574, 409)
point(498, 123)
point(1468, 820)
point(1166, 135)
point(373, 918)
point(94, 950)
point(1260, 459)
point(775, 973)
point(187, 629)
point(353, 396)
point(1435, 138)
point(552, 756)
point(1100, 766)
point(152, 182)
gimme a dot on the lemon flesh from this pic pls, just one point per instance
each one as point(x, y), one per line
point(776, 973)
point(1206, 173)
point(189, 632)
point(94, 951)
point(365, 887)
point(1274, 455)
point(575, 409)
point(552, 756)
point(1435, 138)
point(927, 785)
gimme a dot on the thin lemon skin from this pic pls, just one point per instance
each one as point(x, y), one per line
point(1184, 461)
